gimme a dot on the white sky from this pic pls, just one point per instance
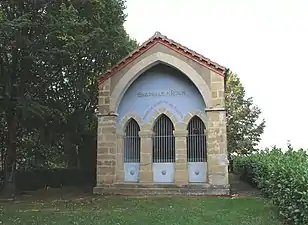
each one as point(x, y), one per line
point(265, 42)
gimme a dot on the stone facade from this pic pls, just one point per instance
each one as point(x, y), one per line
point(110, 170)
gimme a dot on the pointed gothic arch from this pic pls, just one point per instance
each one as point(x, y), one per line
point(127, 118)
point(159, 57)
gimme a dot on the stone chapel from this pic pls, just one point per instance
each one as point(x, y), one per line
point(162, 123)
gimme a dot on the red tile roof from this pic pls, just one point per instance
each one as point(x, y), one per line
point(161, 39)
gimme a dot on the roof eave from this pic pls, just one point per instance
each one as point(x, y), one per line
point(158, 38)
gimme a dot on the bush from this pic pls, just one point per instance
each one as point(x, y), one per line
point(281, 176)
point(40, 178)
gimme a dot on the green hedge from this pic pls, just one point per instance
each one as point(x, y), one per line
point(281, 176)
point(41, 178)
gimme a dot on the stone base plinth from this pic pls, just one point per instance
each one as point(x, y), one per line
point(162, 189)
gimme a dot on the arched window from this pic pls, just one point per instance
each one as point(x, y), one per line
point(196, 141)
point(132, 142)
point(163, 140)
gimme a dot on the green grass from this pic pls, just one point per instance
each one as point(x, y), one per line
point(141, 211)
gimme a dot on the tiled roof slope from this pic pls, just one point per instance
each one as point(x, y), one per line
point(159, 38)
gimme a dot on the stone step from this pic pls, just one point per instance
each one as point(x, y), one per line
point(133, 189)
point(162, 185)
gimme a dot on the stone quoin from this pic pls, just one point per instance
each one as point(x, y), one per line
point(162, 123)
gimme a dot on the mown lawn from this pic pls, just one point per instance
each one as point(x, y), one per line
point(140, 211)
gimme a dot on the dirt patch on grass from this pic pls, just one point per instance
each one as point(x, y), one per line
point(241, 188)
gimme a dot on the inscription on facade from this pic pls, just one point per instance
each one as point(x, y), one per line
point(169, 93)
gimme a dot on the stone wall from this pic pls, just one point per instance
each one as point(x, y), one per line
point(106, 139)
point(217, 134)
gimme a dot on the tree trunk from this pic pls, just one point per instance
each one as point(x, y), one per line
point(70, 150)
point(10, 161)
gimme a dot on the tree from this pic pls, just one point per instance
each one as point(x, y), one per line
point(51, 53)
point(244, 126)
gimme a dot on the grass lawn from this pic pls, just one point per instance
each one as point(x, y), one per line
point(140, 211)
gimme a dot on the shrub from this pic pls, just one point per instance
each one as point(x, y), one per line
point(40, 178)
point(281, 176)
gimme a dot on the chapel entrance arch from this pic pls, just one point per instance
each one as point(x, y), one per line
point(161, 97)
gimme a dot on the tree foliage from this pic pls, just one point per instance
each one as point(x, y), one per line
point(51, 53)
point(244, 125)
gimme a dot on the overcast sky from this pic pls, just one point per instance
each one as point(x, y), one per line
point(265, 42)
